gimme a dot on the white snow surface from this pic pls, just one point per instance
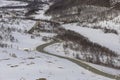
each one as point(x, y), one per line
point(105, 69)
point(35, 65)
point(11, 3)
point(20, 24)
point(57, 48)
point(18, 64)
point(109, 40)
point(40, 14)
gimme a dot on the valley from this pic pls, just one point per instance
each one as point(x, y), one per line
point(59, 40)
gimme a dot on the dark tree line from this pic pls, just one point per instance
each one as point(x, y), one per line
point(91, 52)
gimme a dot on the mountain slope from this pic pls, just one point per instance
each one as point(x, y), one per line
point(19, 59)
point(97, 22)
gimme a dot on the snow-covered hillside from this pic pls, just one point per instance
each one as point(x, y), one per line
point(11, 3)
point(19, 59)
point(22, 65)
point(109, 40)
point(58, 48)
point(21, 62)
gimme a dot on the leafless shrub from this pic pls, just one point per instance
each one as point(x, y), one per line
point(84, 45)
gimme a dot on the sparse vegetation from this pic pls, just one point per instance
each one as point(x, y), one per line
point(13, 55)
point(91, 52)
point(41, 79)
point(20, 56)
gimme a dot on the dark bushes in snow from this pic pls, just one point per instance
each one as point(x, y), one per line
point(91, 52)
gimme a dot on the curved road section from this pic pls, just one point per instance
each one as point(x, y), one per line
point(78, 62)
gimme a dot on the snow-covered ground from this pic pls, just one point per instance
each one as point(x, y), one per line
point(16, 63)
point(21, 65)
point(19, 24)
point(110, 24)
point(40, 13)
point(11, 3)
point(106, 69)
point(57, 48)
point(109, 40)
point(20, 61)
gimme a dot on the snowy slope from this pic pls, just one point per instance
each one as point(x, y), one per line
point(20, 61)
point(18, 64)
point(58, 49)
point(35, 65)
point(40, 13)
point(106, 69)
point(111, 41)
point(13, 3)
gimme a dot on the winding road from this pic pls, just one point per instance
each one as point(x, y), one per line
point(78, 62)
